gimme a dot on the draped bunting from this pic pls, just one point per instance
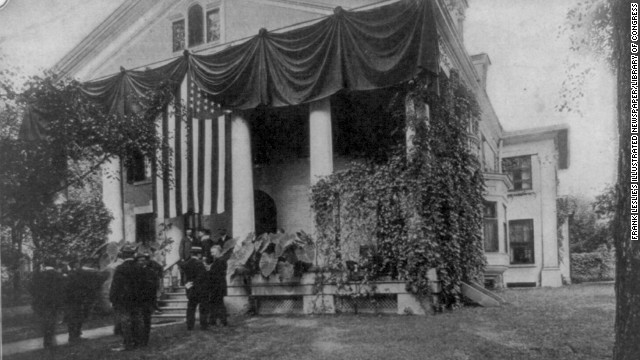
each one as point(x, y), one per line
point(359, 50)
point(355, 50)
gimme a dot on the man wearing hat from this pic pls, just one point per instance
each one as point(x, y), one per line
point(81, 292)
point(148, 293)
point(193, 269)
point(125, 296)
point(184, 249)
point(45, 289)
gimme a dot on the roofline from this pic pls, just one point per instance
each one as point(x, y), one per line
point(533, 134)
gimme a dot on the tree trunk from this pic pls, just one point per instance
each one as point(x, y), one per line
point(627, 323)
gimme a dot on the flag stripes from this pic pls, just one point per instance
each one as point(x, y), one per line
point(195, 130)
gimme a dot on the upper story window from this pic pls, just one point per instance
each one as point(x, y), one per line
point(138, 168)
point(199, 27)
point(519, 170)
point(178, 35)
point(213, 25)
point(196, 26)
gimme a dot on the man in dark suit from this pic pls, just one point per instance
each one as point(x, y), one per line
point(81, 293)
point(148, 293)
point(184, 250)
point(222, 238)
point(216, 286)
point(46, 290)
point(128, 304)
point(193, 269)
point(205, 239)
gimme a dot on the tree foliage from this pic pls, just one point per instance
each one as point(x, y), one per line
point(419, 209)
point(589, 28)
point(49, 184)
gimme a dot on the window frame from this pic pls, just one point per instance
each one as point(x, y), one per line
point(184, 19)
point(192, 35)
point(493, 220)
point(138, 169)
point(149, 231)
point(516, 245)
point(515, 174)
point(173, 34)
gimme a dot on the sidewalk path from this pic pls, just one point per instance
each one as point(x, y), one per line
point(61, 339)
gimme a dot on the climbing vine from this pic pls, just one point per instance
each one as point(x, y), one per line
point(417, 210)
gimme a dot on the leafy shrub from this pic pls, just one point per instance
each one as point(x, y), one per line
point(594, 266)
point(416, 210)
point(287, 255)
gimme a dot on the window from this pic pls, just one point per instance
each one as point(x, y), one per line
point(196, 26)
point(521, 241)
point(505, 233)
point(490, 227)
point(145, 228)
point(178, 35)
point(213, 25)
point(519, 170)
point(138, 168)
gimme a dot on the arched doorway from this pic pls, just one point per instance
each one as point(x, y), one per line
point(266, 214)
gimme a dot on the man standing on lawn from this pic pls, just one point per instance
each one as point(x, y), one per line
point(80, 293)
point(125, 296)
point(148, 293)
point(216, 288)
point(46, 290)
point(193, 269)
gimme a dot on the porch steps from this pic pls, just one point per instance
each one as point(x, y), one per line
point(480, 295)
point(173, 305)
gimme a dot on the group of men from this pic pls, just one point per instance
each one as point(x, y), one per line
point(203, 273)
point(64, 288)
point(134, 288)
point(133, 296)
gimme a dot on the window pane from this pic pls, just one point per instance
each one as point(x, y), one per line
point(213, 25)
point(178, 35)
point(196, 30)
point(491, 235)
point(519, 170)
point(145, 228)
point(521, 241)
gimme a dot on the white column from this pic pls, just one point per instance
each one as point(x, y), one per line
point(320, 140)
point(242, 208)
point(112, 197)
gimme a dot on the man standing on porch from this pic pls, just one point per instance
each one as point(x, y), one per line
point(184, 250)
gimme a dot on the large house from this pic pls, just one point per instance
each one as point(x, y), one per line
point(243, 185)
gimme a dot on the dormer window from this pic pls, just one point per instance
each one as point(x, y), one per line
point(196, 26)
point(178, 35)
point(200, 26)
point(213, 25)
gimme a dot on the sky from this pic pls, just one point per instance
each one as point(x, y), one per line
point(528, 55)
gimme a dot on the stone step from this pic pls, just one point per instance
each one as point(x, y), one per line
point(165, 316)
point(170, 303)
point(174, 296)
point(173, 310)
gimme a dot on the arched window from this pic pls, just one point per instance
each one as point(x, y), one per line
point(196, 26)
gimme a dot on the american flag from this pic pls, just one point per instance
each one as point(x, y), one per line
point(197, 131)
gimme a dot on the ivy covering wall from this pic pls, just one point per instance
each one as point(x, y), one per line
point(418, 209)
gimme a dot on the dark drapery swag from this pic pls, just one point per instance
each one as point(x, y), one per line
point(355, 50)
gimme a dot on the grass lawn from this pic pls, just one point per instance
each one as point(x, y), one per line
point(27, 326)
point(573, 322)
